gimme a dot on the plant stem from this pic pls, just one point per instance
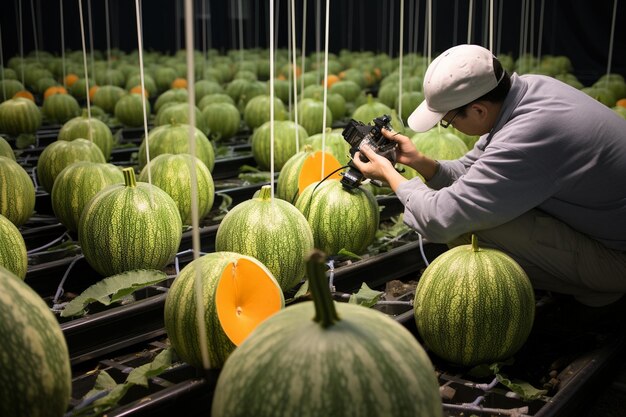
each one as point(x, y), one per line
point(266, 192)
point(475, 247)
point(325, 312)
point(129, 177)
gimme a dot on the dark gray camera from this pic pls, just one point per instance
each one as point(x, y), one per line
point(356, 134)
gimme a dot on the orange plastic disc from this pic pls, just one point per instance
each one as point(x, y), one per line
point(246, 295)
point(312, 169)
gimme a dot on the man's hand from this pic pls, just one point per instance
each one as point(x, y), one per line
point(406, 153)
point(378, 167)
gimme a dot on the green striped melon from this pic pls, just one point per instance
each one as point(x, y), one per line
point(271, 230)
point(174, 139)
point(340, 218)
point(311, 115)
point(474, 305)
point(59, 108)
point(367, 112)
point(129, 226)
point(282, 90)
point(179, 114)
point(164, 76)
point(214, 269)
point(257, 111)
point(284, 143)
point(215, 98)
point(222, 120)
point(8, 88)
point(91, 129)
point(76, 185)
point(388, 94)
point(176, 95)
point(107, 96)
point(410, 101)
point(17, 192)
point(5, 149)
point(337, 105)
point(35, 359)
point(323, 358)
point(301, 170)
point(172, 174)
point(13, 255)
point(19, 115)
point(438, 144)
point(204, 88)
point(334, 143)
point(60, 154)
point(349, 90)
point(148, 82)
point(129, 110)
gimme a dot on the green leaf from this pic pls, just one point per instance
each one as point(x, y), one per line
point(521, 388)
point(248, 168)
point(365, 296)
point(25, 140)
point(112, 289)
point(302, 292)
point(347, 253)
point(255, 177)
point(140, 376)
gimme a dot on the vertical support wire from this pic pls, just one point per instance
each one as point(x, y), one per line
point(295, 81)
point(540, 40)
point(470, 18)
point(138, 10)
point(400, 59)
point(325, 99)
point(62, 42)
point(491, 26)
point(318, 25)
point(91, 48)
point(198, 287)
point(430, 30)
point(34, 20)
point(304, 16)
point(82, 37)
point(272, 94)
point(610, 58)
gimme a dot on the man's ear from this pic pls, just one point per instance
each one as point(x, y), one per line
point(480, 109)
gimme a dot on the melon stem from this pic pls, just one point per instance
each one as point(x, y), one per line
point(325, 312)
point(266, 192)
point(129, 177)
point(475, 247)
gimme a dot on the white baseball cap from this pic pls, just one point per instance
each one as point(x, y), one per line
point(455, 78)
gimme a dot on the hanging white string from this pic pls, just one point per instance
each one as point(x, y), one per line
point(108, 34)
point(91, 49)
point(430, 30)
point(303, 43)
point(291, 74)
point(491, 26)
point(138, 10)
point(318, 17)
point(62, 41)
point(4, 89)
point(325, 99)
point(470, 18)
point(521, 29)
point(21, 36)
point(401, 55)
point(32, 15)
point(198, 287)
point(272, 94)
point(499, 38)
point(417, 27)
point(82, 37)
point(540, 40)
point(240, 30)
point(608, 66)
point(295, 84)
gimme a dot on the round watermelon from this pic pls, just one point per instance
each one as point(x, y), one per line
point(91, 129)
point(19, 115)
point(172, 174)
point(340, 218)
point(284, 143)
point(474, 305)
point(35, 358)
point(271, 230)
point(17, 192)
point(13, 254)
point(255, 284)
point(76, 185)
point(129, 226)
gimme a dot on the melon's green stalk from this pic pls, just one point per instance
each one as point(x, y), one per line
point(265, 193)
point(129, 177)
point(325, 312)
point(475, 247)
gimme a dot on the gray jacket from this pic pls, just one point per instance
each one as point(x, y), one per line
point(553, 148)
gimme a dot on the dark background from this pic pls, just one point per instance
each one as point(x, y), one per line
point(579, 29)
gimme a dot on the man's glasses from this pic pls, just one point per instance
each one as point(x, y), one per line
point(445, 124)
